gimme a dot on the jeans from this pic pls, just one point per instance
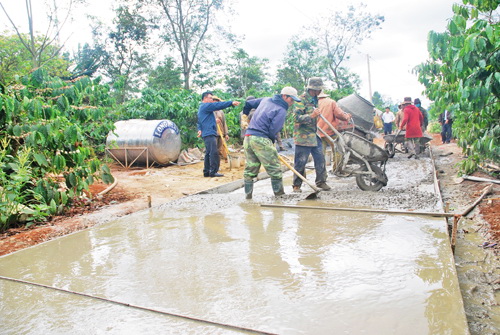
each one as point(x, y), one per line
point(212, 159)
point(301, 156)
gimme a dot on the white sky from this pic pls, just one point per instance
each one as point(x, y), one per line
point(267, 25)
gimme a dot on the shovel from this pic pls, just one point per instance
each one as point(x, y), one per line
point(316, 189)
point(221, 134)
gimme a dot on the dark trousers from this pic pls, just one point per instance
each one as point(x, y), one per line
point(387, 128)
point(300, 161)
point(212, 159)
point(446, 133)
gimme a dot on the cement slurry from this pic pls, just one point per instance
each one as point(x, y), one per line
point(221, 258)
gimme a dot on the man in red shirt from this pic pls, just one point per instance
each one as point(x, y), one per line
point(413, 120)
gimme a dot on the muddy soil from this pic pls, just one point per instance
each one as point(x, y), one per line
point(477, 256)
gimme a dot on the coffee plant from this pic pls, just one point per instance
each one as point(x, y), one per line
point(52, 132)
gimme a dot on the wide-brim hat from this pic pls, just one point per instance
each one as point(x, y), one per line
point(407, 101)
point(315, 83)
point(214, 97)
point(323, 95)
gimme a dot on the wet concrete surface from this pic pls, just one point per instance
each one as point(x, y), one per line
point(220, 258)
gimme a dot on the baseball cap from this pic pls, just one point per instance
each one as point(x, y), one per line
point(292, 92)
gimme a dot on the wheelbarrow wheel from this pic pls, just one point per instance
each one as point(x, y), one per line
point(390, 148)
point(368, 183)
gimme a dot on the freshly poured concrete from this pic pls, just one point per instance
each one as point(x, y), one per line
point(220, 258)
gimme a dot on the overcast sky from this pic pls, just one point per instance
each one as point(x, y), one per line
point(267, 25)
point(394, 50)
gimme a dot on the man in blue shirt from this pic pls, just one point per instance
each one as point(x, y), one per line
point(207, 129)
point(266, 123)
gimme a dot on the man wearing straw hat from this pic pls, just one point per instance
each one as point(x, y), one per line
point(331, 111)
point(305, 138)
point(413, 120)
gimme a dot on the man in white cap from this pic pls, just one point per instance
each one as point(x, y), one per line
point(267, 121)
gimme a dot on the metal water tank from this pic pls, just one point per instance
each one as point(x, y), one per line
point(130, 138)
point(362, 110)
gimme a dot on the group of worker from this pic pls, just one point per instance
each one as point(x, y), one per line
point(263, 119)
point(414, 119)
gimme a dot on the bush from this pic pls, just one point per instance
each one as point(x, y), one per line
point(51, 135)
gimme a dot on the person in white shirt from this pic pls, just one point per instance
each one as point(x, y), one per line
point(388, 118)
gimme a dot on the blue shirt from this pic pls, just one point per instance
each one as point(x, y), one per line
point(268, 118)
point(206, 117)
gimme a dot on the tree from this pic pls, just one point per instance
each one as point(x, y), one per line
point(127, 57)
point(381, 102)
point(340, 33)
point(245, 73)
point(87, 60)
point(16, 60)
point(187, 24)
point(301, 62)
point(463, 75)
point(42, 48)
point(165, 76)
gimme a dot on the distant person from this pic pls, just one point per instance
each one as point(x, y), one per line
point(413, 121)
point(307, 142)
point(220, 119)
point(446, 120)
point(424, 112)
point(332, 112)
point(245, 118)
point(266, 123)
point(388, 118)
point(207, 129)
point(399, 116)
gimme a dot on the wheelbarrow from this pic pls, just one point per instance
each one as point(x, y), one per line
point(396, 143)
point(354, 155)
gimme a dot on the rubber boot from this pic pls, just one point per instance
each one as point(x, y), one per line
point(248, 188)
point(277, 185)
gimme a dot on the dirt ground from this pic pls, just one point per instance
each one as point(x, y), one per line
point(139, 188)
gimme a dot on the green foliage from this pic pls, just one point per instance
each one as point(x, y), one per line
point(186, 24)
point(125, 57)
point(302, 61)
point(51, 138)
point(87, 60)
point(463, 75)
point(245, 73)
point(339, 33)
point(16, 60)
point(166, 75)
point(177, 105)
point(434, 127)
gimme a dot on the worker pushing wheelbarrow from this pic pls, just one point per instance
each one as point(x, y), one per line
point(396, 143)
point(357, 156)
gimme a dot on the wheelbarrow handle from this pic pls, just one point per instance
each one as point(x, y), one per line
point(339, 135)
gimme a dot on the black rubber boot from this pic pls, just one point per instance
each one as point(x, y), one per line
point(277, 185)
point(248, 189)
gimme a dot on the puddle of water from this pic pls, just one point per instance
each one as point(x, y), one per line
point(278, 270)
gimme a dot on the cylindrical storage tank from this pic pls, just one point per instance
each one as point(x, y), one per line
point(161, 138)
point(362, 110)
